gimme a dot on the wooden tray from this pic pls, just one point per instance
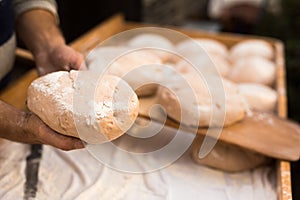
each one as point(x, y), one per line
point(116, 24)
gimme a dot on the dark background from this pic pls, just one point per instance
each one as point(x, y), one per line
point(77, 17)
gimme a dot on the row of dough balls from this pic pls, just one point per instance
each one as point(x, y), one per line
point(248, 63)
point(251, 58)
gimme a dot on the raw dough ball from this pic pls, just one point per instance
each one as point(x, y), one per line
point(253, 69)
point(228, 157)
point(205, 64)
point(259, 97)
point(211, 47)
point(228, 102)
point(222, 65)
point(100, 58)
point(133, 60)
point(151, 40)
point(251, 47)
point(126, 66)
point(146, 79)
point(103, 109)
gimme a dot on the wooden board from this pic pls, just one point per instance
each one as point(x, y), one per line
point(250, 133)
point(116, 24)
point(15, 94)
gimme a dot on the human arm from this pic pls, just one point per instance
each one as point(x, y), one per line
point(36, 25)
point(40, 33)
point(26, 127)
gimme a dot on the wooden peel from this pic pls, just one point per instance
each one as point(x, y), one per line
point(264, 133)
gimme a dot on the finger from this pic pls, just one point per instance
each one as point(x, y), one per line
point(48, 136)
point(76, 61)
point(66, 58)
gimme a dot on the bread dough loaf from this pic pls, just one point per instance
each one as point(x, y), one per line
point(222, 65)
point(259, 97)
point(81, 104)
point(251, 47)
point(124, 63)
point(213, 47)
point(101, 57)
point(163, 47)
point(196, 46)
point(209, 65)
point(127, 67)
point(231, 106)
point(150, 40)
point(253, 70)
point(227, 157)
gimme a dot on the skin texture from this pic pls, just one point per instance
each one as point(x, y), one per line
point(26, 127)
point(40, 33)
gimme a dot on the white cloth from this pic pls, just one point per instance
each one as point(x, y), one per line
point(7, 54)
point(78, 175)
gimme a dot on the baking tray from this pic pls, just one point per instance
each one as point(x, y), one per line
point(15, 94)
point(117, 24)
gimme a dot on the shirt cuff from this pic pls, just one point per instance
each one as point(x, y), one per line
point(21, 6)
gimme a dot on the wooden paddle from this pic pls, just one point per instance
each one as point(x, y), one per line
point(264, 133)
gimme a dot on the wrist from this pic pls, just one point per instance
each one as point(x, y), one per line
point(39, 30)
point(13, 123)
point(28, 127)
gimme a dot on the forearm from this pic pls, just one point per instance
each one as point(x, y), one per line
point(39, 31)
point(11, 122)
point(25, 127)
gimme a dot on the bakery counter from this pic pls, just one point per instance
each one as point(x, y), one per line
point(183, 179)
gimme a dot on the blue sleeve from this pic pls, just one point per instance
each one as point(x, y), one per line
point(6, 20)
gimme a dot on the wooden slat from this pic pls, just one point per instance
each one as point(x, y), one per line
point(284, 187)
point(16, 93)
point(22, 53)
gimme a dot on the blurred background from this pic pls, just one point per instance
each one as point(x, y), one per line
point(274, 18)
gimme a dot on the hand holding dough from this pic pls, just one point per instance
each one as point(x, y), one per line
point(81, 104)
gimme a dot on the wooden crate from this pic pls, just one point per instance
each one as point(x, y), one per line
point(116, 24)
